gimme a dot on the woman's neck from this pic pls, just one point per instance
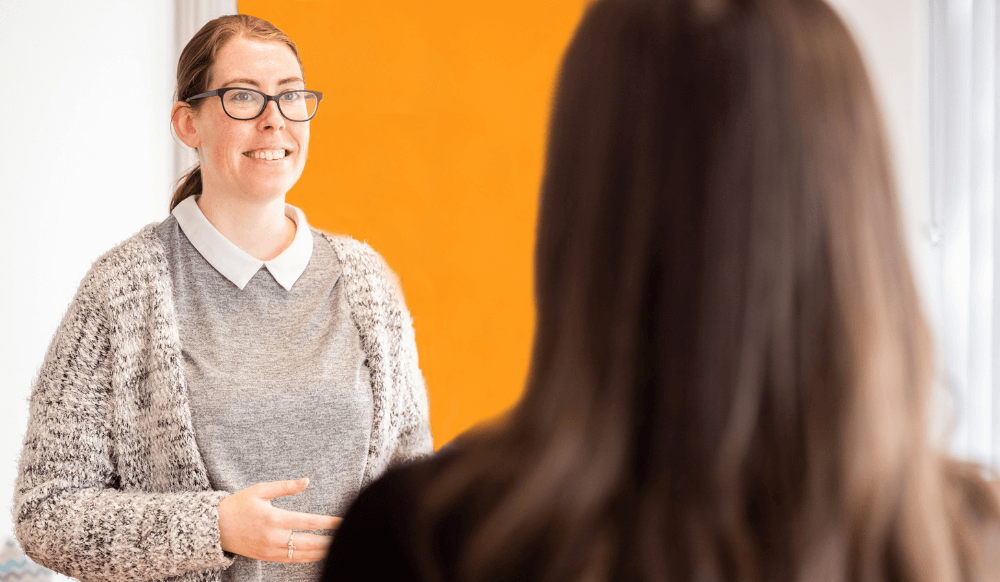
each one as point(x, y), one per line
point(261, 230)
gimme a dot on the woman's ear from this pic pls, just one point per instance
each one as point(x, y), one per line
point(182, 119)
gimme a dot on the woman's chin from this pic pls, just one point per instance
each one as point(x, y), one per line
point(262, 186)
point(263, 192)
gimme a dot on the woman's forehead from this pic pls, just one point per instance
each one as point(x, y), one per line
point(262, 61)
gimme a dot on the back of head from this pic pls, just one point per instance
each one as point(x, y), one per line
point(730, 371)
point(194, 71)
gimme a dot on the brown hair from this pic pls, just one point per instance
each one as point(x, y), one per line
point(194, 70)
point(730, 372)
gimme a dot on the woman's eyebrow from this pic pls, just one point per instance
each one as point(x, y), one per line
point(256, 84)
point(242, 82)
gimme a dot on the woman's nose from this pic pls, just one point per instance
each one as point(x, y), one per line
point(272, 118)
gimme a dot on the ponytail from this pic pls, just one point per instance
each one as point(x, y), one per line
point(187, 185)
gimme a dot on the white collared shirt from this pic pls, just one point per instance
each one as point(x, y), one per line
point(234, 263)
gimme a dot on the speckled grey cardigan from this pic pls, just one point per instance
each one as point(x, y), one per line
point(111, 485)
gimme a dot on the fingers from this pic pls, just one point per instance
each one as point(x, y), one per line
point(263, 533)
point(273, 489)
point(308, 548)
point(307, 521)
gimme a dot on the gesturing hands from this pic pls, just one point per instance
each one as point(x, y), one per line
point(250, 526)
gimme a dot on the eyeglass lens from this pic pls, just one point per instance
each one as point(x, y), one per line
point(294, 105)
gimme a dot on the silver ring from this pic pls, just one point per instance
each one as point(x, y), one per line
point(291, 546)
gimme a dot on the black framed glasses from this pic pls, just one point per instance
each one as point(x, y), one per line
point(246, 104)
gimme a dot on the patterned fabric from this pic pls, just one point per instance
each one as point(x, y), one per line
point(111, 485)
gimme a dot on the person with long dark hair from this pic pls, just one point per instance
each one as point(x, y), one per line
point(730, 373)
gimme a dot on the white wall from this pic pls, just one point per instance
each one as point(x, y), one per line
point(87, 160)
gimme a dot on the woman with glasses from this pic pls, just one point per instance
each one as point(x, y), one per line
point(731, 374)
point(214, 365)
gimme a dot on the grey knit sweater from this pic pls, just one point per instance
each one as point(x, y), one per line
point(111, 485)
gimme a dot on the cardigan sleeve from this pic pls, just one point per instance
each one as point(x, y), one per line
point(401, 421)
point(411, 406)
point(410, 411)
point(70, 512)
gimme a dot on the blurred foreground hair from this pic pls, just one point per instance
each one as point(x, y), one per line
point(731, 372)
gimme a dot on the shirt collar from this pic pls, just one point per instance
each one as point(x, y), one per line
point(234, 263)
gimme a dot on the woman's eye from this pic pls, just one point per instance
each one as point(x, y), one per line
point(291, 96)
point(240, 96)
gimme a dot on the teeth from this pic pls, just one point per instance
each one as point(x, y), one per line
point(265, 154)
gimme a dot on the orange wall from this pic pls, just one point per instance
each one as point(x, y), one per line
point(429, 144)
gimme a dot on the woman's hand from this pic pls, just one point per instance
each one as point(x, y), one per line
point(250, 526)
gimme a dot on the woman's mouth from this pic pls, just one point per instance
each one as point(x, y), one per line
point(267, 154)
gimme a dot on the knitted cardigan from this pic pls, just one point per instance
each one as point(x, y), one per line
point(110, 484)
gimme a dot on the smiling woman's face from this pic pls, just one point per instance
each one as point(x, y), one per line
point(234, 154)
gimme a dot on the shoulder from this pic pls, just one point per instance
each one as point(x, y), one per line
point(371, 284)
point(131, 263)
point(401, 486)
point(374, 541)
point(358, 258)
point(398, 491)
